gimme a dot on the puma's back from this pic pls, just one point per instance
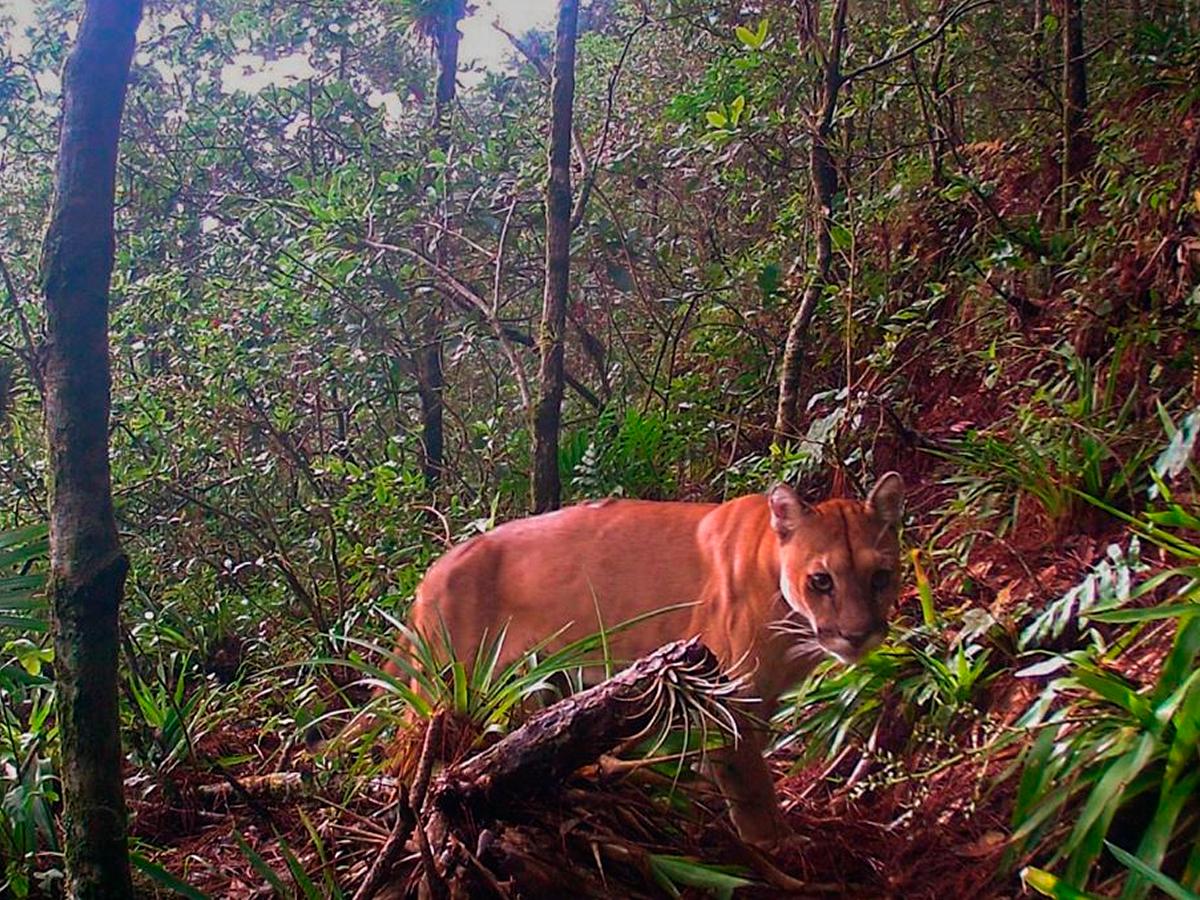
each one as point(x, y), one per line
point(740, 566)
point(584, 568)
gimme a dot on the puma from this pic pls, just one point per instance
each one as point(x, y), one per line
point(773, 584)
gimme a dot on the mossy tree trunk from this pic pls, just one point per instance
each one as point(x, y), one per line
point(88, 566)
point(547, 491)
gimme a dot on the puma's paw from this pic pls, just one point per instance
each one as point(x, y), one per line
point(766, 831)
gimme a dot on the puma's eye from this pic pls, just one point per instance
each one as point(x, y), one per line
point(881, 579)
point(821, 582)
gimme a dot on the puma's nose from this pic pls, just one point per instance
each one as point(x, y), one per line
point(858, 638)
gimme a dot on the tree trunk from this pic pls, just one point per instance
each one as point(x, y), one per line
point(429, 390)
point(87, 564)
point(547, 491)
point(429, 363)
point(1039, 41)
point(1075, 138)
point(823, 172)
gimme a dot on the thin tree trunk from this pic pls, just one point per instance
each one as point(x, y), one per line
point(1075, 138)
point(429, 390)
point(547, 491)
point(1039, 41)
point(823, 172)
point(87, 564)
point(429, 363)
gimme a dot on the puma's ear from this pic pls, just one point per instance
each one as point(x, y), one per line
point(886, 499)
point(787, 509)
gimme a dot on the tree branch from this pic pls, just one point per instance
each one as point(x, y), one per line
point(967, 6)
point(469, 299)
point(589, 171)
point(30, 355)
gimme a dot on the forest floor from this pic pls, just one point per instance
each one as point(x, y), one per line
point(934, 824)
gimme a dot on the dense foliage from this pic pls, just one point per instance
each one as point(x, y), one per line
point(294, 231)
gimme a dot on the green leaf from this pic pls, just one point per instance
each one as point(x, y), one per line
point(260, 866)
point(16, 588)
point(716, 119)
point(720, 881)
point(769, 279)
point(1187, 735)
point(1116, 691)
point(30, 655)
point(306, 885)
point(1051, 885)
point(1036, 774)
point(1084, 843)
point(1147, 613)
point(460, 686)
point(23, 623)
point(1168, 886)
point(747, 37)
point(31, 534)
point(841, 237)
point(620, 276)
point(1157, 837)
point(14, 556)
point(166, 879)
point(736, 108)
point(1180, 662)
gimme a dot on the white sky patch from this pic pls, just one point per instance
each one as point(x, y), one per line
point(251, 73)
point(22, 14)
point(488, 48)
point(48, 81)
point(391, 103)
point(482, 47)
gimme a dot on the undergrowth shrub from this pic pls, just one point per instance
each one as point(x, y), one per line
point(28, 736)
point(631, 455)
point(1078, 436)
point(1115, 763)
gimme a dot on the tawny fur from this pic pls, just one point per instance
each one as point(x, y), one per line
point(599, 564)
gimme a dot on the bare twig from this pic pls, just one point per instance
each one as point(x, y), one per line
point(470, 300)
point(30, 354)
point(1185, 182)
point(1023, 305)
point(433, 880)
point(967, 6)
point(589, 172)
point(391, 849)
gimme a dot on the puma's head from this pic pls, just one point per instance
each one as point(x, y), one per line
point(839, 564)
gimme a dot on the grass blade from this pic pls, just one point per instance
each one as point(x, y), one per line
point(260, 866)
point(1051, 885)
point(1168, 886)
point(160, 875)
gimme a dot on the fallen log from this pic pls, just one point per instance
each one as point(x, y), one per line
point(683, 676)
point(460, 851)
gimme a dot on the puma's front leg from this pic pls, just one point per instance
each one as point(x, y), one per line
point(745, 780)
